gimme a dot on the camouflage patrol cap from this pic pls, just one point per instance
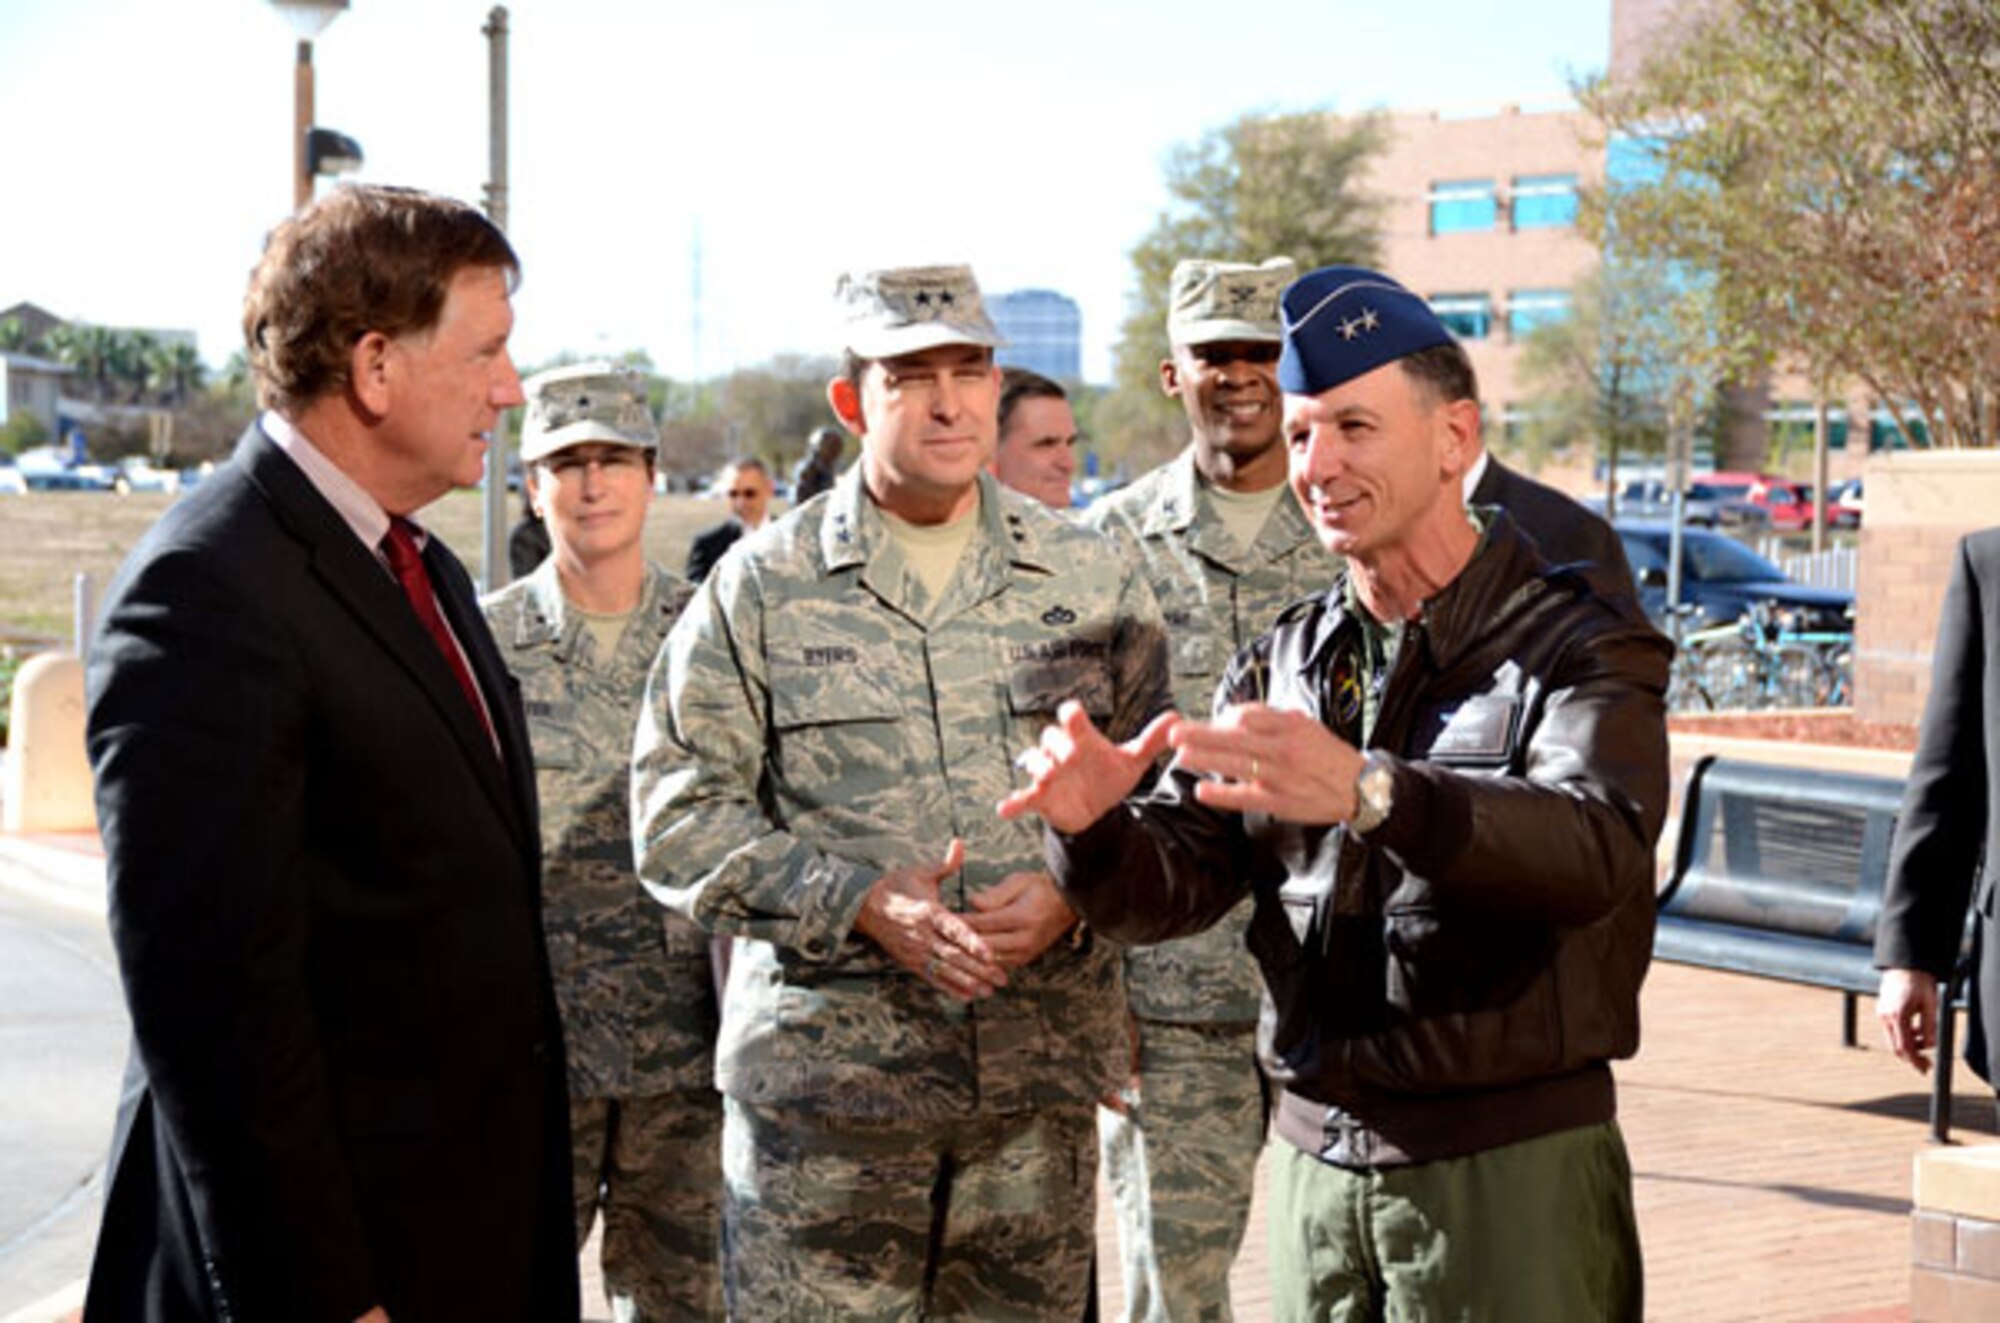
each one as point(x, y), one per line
point(568, 406)
point(905, 309)
point(1210, 301)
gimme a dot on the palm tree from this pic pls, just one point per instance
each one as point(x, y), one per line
point(133, 364)
point(174, 372)
point(99, 355)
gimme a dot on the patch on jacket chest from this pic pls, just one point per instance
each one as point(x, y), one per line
point(1477, 729)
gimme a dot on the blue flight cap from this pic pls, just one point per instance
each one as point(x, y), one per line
point(1342, 321)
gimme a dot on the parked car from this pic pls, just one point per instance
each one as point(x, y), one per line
point(1784, 502)
point(1707, 506)
point(82, 478)
point(1844, 504)
point(141, 476)
point(1720, 578)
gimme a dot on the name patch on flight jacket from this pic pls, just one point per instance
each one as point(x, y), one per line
point(1479, 729)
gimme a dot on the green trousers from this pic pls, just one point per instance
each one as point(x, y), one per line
point(1540, 1231)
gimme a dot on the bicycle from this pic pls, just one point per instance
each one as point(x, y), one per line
point(1757, 663)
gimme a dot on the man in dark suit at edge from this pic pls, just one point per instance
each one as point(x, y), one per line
point(346, 1097)
point(1948, 833)
point(1565, 532)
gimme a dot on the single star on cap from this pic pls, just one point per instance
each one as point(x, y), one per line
point(904, 310)
point(1210, 301)
point(568, 406)
point(1343, 321)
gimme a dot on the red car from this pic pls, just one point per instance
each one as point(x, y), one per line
point(1781, 498)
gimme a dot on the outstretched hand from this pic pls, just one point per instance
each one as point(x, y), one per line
point(1075, 774)
point(906, 916)
point(1261, 759)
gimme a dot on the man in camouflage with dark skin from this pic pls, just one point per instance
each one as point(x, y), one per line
point(915, 1030)
point(1226, 548)
point(637, 996)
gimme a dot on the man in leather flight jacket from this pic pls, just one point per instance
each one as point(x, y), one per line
point(1441, 783)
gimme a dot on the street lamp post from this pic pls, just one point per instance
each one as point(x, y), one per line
point(494, 569)
point(308, 19)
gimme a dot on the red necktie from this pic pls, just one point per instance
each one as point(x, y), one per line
point(408, 563)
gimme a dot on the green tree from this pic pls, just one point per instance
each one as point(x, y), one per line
point(1832, 167)
point(1262, 186)
point(132, 365)
point(14, 338)
point(770, 409)
point(23, 431)
point(1632, 367)
point(174, 372)
point(101, 356)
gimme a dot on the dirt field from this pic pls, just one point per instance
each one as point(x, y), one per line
point(48, 538)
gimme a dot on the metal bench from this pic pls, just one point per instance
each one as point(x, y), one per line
point(1779, 873)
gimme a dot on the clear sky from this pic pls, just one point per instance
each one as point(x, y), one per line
point(147, 143)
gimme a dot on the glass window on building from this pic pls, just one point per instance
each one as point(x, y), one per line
point(1792, 424)
point(1530, 308)
point(1544, 202)
point(1883, 433)
point(1467, 316)
point(1462, 206)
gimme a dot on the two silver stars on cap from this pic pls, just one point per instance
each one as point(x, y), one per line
point(1351, 327)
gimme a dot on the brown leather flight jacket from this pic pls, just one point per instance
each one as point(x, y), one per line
point(1457, 978)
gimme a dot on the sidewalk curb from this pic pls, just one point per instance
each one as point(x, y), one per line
point(69, 874)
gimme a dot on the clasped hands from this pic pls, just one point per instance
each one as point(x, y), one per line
point(964, 955)
point(1254, 759)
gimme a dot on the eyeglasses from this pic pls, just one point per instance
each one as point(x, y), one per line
point(743, 493)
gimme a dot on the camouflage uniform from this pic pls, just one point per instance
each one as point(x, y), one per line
point(1180, 1160)
point(636, 992)
point(814, 723)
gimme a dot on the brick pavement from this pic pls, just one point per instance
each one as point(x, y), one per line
point(1773, 1165)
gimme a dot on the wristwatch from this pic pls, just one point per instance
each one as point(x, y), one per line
point(1374, 793)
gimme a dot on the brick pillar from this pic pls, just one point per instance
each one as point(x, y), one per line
point(1919, 504)
point(1955, 1236)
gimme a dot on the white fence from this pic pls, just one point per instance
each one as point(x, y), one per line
point(1832, 568)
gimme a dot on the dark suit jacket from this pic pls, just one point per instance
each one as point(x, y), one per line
point(1951, 806)
point(1563, 529)
point(708, 546)
point(347, 1078)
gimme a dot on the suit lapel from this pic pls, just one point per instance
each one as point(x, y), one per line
point(360, 583)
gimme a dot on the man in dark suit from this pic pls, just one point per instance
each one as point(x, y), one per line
point(1563, 530)
point(346, 1096)
point(1948, 834)
point(747, 485)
